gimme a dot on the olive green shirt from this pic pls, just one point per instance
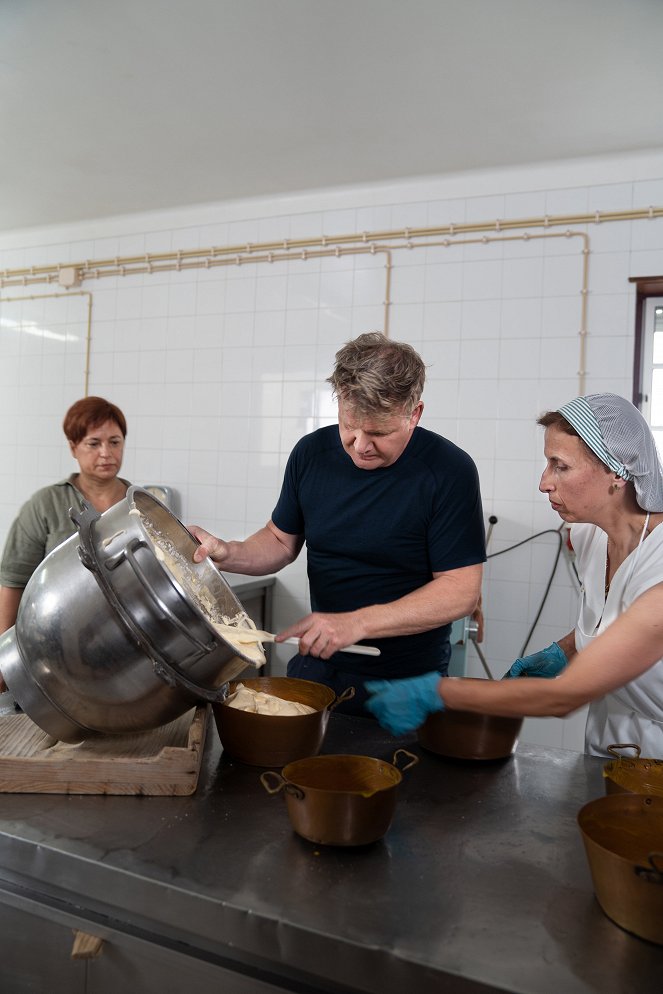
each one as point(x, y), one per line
point(42, 524)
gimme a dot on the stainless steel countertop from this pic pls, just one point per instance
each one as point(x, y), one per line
point(481, 883)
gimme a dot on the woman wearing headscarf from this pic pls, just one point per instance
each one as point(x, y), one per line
point(603, 476)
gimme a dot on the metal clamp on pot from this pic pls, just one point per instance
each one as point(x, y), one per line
point(102, 568)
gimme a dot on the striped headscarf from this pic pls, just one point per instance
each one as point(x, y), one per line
point(618, 434)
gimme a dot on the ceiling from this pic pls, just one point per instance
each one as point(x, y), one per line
point(110, 108)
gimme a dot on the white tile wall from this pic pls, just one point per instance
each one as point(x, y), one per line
point(221, 370)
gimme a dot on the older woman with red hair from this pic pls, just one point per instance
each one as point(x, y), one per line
point(95, 430)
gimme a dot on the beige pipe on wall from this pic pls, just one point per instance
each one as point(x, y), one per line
point(584, 292)
point(74, 272)
point(272, 257)
point(88, 335)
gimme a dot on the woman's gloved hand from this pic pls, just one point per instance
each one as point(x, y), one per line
point(403, 705)
point(548, 662)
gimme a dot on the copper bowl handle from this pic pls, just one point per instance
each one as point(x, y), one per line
point(410, 755)
point(624, 745)
point(653, 873)
point(347, 695)
point(273, 782)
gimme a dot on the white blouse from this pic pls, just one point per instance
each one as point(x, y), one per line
point(634, 712)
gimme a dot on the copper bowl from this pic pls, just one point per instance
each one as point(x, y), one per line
point(465, 735)
point(623, 838)
point(632, 774)
point(340, 800)
point(274, 740)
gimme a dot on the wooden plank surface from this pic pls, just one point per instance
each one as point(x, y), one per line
point(163, 761)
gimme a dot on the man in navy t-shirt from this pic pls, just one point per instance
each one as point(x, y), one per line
point(392, 520)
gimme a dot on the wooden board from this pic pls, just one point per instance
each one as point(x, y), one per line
point(163, 761)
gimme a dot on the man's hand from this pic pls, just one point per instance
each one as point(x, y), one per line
point(477, 618)
point(322, 635)
point(210, 546)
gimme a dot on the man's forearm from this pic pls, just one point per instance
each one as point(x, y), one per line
point(437, 603)
point(263, 552)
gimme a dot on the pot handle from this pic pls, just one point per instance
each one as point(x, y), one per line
point(266, 779)
point(347, 695)
point(273, 782)
point(173, 678)
point(624, 745)
point(128, 554)
point(653, 873)
point(410, 755)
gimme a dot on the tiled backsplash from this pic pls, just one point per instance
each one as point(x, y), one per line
point(219, 371)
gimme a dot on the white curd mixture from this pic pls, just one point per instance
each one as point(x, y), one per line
point(246, 699)
point(238, 630)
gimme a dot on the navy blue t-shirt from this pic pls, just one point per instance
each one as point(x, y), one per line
point(373, 536)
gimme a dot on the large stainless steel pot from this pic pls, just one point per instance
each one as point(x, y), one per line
point(108, 639)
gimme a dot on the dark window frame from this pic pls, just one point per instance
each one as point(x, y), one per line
point(645, 287)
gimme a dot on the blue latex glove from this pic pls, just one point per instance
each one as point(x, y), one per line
point(403, 705)
point(548, 662)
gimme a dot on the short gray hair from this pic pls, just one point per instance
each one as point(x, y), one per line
point(376, 376)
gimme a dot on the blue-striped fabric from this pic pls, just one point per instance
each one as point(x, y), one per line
point(579, 414)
